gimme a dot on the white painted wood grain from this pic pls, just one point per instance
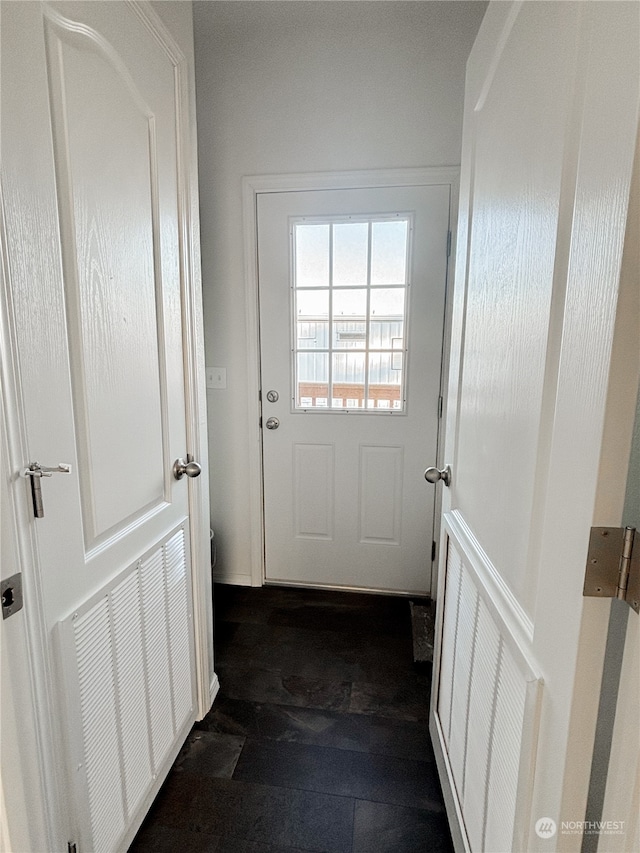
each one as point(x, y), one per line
point(70, 207)
point(383, 507)
point(551, 122)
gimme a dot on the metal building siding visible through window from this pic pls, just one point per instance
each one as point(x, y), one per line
point(349, 301)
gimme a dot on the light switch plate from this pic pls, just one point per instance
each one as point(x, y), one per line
point(216, 377)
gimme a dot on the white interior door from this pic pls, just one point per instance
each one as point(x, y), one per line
point(92, 187)
point(352, 294)
point(551, 118)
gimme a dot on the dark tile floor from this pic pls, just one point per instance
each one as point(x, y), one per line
point(318, 739)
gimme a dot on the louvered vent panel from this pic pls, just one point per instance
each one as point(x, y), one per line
point(98, 706)
point(485, 713)
point(467, 607)
point(450, 629)
point(483, 679)
point(177, 589)
point(505, 755)
point(132, 696)
point(126, 655)
point(154, 603)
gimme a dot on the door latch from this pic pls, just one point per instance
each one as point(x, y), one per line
point(613, 565)
point(11, 591)
point(36, 472)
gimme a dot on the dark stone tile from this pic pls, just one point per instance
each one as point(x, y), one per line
point(231, 716)
point(155, 838)
point(408, 700)
point(194, 803)
point(223, 634)
point(230, 844)
point(380, 778)
point(393, 829)
point(400, 738)
point(284, 818)
point(319, 727)
point(321, 689)
point(327, 655)
point(312, 726)
point(210, 754)
point(173, 803)
point(345, 613)
point(262, 686)
point(316, 692)
point(240, 612)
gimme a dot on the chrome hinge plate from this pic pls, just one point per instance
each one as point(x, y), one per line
point(448, 244)
point(613, 565)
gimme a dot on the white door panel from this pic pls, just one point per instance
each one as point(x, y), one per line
point(125, 360)
point(345, 500)
point(92, 184)
point(551, 116)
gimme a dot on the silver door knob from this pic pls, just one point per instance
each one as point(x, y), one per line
point(272, 423)
point(190, 468)
point(432, 475)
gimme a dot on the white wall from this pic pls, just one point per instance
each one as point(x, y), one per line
point(288, 87)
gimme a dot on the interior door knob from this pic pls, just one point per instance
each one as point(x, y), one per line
point(432, 475)
point(272, 423)
point(190, 468)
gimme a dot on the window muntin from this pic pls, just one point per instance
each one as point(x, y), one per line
point(350, 300)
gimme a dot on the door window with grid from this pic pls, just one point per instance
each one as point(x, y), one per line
point(350, 299)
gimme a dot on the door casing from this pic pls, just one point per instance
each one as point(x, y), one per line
point(252, 186)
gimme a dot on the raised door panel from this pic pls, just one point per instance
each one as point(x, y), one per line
point(313, 491)
point(518, 131)
point(380, 495)
point(115, 155)
point(108, 209)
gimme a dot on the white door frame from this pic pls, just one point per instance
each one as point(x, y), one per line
point(252, 185)
point(32, 658)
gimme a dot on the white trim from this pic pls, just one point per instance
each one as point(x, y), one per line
point(365, 590)
point(445, 774)
point(504, 605)
point(252, 186)
point(35, 657)
point(214, 687)
point(233, 578)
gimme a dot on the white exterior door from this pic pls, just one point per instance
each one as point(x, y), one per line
point(95, 205)
point(352, 295)
point(551, 119)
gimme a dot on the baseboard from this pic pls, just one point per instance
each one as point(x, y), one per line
point(232, 578)
point(214, 687)
point(367, 590)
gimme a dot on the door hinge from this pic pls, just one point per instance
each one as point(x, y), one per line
point(72, 847)
point(35, 471)
point(433, 552)
point(613, 565)
point(448, 244)
point(440, 406)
